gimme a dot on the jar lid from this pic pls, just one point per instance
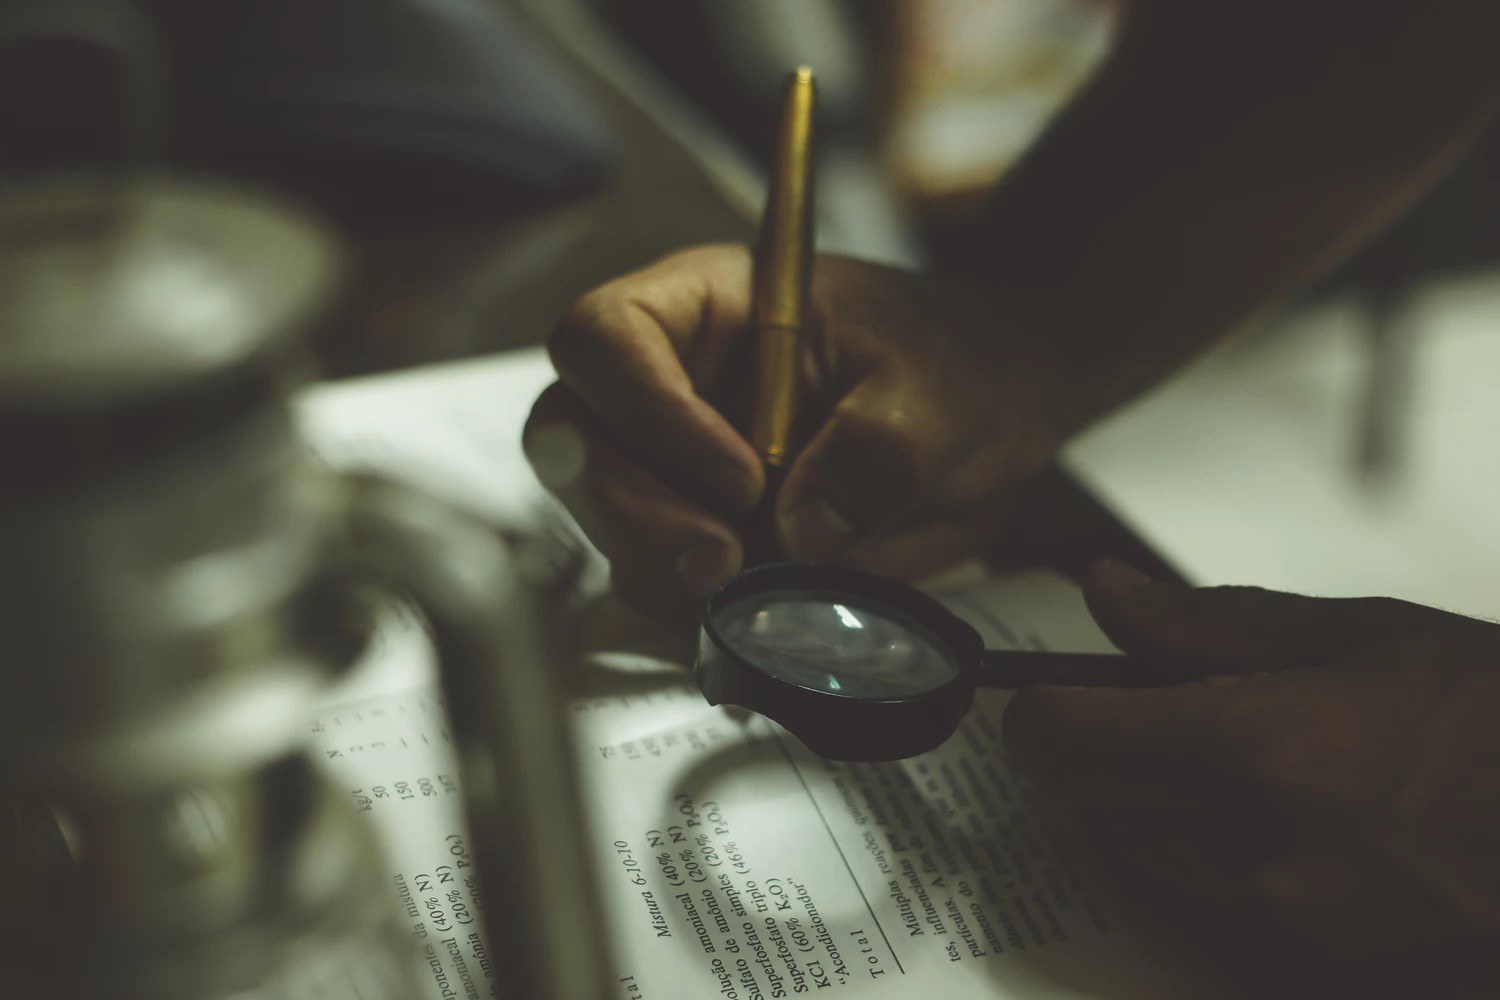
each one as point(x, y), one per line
point(114, 291)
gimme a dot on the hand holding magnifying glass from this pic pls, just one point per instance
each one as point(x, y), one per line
point(861, 667)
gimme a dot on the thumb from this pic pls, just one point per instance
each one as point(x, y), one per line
point(883, 451)
point(1241, 629)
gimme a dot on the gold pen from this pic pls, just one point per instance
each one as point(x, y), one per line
point(783, 272)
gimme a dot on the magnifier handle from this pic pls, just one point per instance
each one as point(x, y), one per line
point(1016, 668)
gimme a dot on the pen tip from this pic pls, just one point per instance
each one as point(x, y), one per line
point(804, 74)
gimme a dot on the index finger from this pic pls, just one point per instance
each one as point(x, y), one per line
point(639, 350)
point(1171, 747)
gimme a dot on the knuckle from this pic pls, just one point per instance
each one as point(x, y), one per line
point(585, 323)
point(707, 253)
point(884, 454)
point(1239, 617)
point(1387, 605)
point(1392, 610)
point(1236, 601)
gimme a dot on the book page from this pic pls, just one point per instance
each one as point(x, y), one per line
point(732, 862)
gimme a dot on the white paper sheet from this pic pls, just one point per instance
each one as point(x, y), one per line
point(733, 863)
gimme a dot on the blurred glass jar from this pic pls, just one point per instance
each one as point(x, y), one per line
point(974, 82)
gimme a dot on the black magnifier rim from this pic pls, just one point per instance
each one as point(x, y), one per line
point(839, 726)
point(912, 608)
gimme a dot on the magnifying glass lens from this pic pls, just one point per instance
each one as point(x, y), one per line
point(834, 643)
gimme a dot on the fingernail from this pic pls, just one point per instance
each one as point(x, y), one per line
point(556, 454)
point(815, 529)
point(1117, 575)
point(702, 566)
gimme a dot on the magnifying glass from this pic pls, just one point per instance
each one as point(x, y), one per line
point(861, 667)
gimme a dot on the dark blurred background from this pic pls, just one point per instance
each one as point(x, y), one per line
point(489, 160)
point(463, 137)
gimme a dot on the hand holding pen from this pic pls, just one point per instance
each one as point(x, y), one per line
point(934, 398)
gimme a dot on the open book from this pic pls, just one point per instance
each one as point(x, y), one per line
point(733, 862)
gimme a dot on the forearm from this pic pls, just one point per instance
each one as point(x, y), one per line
point(1219, 160)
